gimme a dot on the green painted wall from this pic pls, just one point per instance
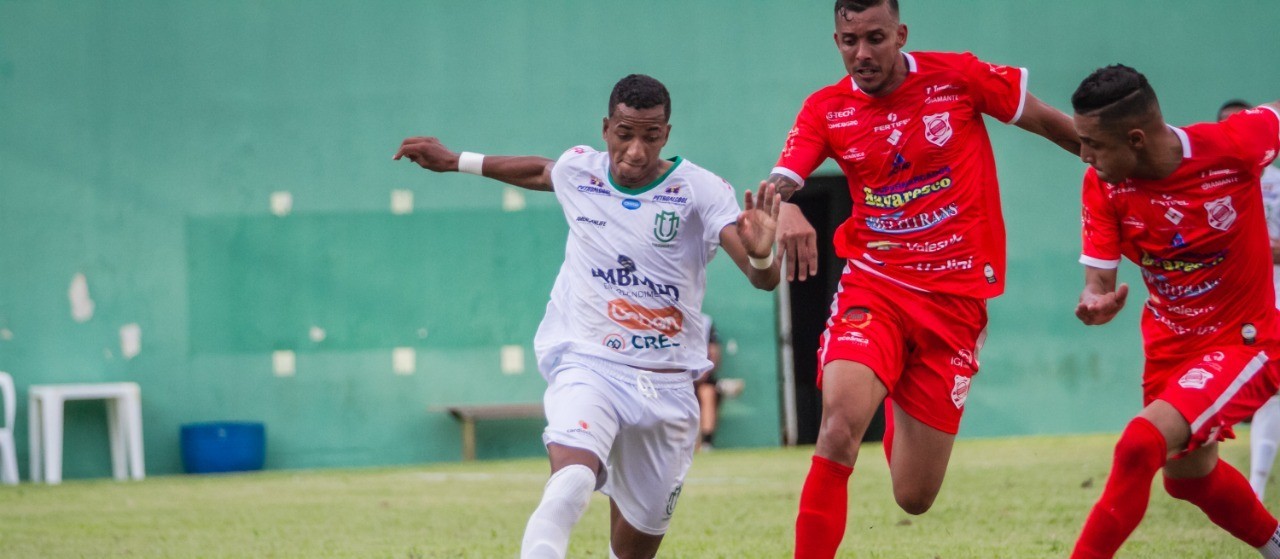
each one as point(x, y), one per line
point(140, 143)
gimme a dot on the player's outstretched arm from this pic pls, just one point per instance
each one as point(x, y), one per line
point(749, 242)
point(797, 240)
point(1042, 119)
point(525, 171)
point(1101, 300)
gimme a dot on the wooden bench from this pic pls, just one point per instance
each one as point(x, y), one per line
point(468, 415)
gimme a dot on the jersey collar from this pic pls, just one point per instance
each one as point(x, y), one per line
point(1186, 141)
point(911, 69)
point(675, 162)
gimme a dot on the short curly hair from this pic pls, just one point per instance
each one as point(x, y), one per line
point(639, 91)
point(1115, 92)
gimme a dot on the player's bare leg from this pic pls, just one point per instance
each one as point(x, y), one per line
point(625, 541)
point(919, 461)
point(574, 472)
point(851, 393)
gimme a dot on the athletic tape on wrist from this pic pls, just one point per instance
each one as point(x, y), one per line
point(761, 263)
point(469, 162)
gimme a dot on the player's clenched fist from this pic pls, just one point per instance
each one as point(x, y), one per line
point(429, 153)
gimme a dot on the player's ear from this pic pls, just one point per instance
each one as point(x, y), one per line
point(604, 130)
point(902, 35)
point(1137, 138)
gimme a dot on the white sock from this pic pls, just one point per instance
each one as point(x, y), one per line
point(565, 498)
point(1272, 549)
point(1264, 437)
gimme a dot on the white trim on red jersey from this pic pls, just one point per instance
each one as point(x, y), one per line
point(1022, 103)
point(1256, 364)
point(1273, 110)
point(1186, 142)
point(789, 174)
point(1099, 263)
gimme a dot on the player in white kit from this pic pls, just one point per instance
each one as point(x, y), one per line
point(623, 336)
point(1264, 433)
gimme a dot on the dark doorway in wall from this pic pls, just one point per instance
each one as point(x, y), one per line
point(826, 204)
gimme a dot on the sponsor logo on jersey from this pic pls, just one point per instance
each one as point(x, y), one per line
point(853, 154)
point(1221, 214)
point(1190, 312)
point(857, 317)
point(1167, 201)
point(596, 222)
point(1183, 330)
point(666, 225)
point(894, 137)
point(894, 123)
point(845, 124)
point(1216, 356)
point(854, 337)
point(963, 359)
point(1185, 263)
point(949, 265)
point(1173, 215)
point(626, 276)
point(931, 246)
point(989, 272)
point(669, 321)
point(937, 128)
point(595, 186)
point(900, 164)
point(896, 224)
point(936, 89)
point(1195, 379)
point(1249, 334)
point(1133, 222)
point(1177, 292)
point(897, 200)
point(942, 99)
point(615, 342)
point(960, 392)
point(671, 195)
point(631, 203)
point(1177, 241)
point(842, 113)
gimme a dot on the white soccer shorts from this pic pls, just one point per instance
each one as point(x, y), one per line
point(642, 425)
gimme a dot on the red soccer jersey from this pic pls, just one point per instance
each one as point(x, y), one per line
point(920, 170)
point(1199, 236)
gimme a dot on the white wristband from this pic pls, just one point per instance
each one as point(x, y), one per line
point(761, 263)
point(469, 162)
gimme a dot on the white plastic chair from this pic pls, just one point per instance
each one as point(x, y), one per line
point(8, 455)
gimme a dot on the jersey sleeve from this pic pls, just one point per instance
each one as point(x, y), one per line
point(720, 209)
point(1099, 226)
point(1257, 134)
point(806, 146)
point(1000, 91)
point(566, 159)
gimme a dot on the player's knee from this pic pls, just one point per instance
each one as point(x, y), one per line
point(841, 428)
point(1141, 446)
point(914, 501)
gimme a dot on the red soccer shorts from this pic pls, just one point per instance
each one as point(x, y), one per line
point(1215, 389)
point(923, 346)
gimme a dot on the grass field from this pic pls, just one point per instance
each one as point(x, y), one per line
point(1004, 498)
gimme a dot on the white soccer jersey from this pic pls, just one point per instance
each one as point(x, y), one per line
point(1271, 201)
point(634, 274)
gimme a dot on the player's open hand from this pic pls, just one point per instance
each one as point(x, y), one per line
point(797, 243)
point(429, 153)
point(758, 224)
point(1100, 308)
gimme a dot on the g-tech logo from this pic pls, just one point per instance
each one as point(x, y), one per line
point(667, 320)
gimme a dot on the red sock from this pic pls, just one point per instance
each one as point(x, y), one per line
point(824, 507)
point(888, 431)
point(1226, 497)
point(1139, 455)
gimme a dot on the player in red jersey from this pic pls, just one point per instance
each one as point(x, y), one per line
point(1185, 205)
point(925, 248)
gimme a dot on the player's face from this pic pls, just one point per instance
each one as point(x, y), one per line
point(635, 138)
point(1108, 148)
point(870, 43)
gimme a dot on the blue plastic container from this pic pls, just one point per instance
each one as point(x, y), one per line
point(223, 446)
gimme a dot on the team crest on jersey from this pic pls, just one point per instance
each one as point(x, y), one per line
point(937, 128)
point(666, 225)
point(1221, 214)
point(672, 498)
point(961, 391)
point(1195, 379)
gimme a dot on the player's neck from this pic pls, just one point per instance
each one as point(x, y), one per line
point(1165, 155)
